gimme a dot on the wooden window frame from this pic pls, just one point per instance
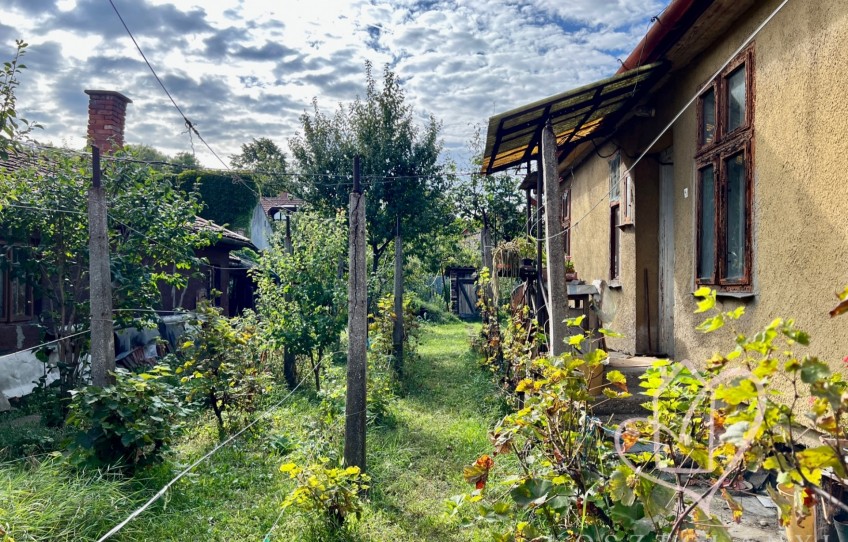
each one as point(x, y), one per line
point(615, 243)
point(8, 281)
point(716, 153)
point(615, 207)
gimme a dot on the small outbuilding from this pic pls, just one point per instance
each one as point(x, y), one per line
point(463, 291)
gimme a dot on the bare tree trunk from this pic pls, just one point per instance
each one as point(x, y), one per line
point(315, 371)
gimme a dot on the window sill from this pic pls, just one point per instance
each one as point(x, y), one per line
point(615, 284)
point(735, 295)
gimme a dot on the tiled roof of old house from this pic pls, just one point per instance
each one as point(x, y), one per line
point(283, 201)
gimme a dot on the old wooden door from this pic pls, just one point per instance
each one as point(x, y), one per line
point(666, 263)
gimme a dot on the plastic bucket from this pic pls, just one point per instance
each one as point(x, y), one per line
point(803, 531)
point(840, 523)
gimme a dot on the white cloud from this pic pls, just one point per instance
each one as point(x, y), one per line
point(248, 68)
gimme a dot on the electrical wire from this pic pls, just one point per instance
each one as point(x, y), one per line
point(45, 209)
point(374, 178)
point(189, 125)
point(45, 344)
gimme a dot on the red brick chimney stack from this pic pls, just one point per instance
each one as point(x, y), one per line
point(106, 113)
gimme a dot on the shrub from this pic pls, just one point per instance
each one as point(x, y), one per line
point(331, 492)
point(130, 423)
point(431, 311)
point(712, 423)
point(220, 369)
point(28, 439)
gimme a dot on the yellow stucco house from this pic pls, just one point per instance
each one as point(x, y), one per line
point(717, 156)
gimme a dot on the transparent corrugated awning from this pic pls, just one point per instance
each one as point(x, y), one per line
point(513, 137)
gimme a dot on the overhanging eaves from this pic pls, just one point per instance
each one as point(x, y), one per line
point(513, 137)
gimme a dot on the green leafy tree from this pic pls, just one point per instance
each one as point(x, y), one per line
point(12, 127)
point(303, 295)
point(186, 159)
point(267, 162)
point(491, 204)
point(150, 236)
point(400, 165)
point(146, 153)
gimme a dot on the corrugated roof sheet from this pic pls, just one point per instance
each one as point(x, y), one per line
point(226, 235)
point(513, 137)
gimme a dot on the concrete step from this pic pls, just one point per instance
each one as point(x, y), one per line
point(632, 367)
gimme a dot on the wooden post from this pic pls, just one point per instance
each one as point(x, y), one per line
point(397, 330)
point(357, 329)
point(541, 310)
point(557, 288)
point(289, 360)
point(488, 259)
point(100, 281)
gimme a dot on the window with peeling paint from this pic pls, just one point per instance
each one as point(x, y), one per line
point(724, 253)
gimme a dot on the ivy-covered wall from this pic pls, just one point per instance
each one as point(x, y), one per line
point(229, 199)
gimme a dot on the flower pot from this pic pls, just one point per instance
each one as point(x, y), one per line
point(803, 531)
point(840, 524)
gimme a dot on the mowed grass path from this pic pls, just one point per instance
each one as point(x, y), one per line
point(440, 424)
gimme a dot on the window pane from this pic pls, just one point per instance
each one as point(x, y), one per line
point(708, 117)
point(706, 229)
point(736, 99)
point(2, 290)
point(18, 291)
point(615, 170)
point(615, 242)
point(736, 227)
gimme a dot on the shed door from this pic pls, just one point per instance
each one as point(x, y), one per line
point(467, 298)
point(666, 263)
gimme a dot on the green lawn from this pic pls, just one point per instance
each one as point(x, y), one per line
point(439, 425)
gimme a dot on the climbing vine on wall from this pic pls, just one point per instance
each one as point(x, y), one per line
point(229, 199)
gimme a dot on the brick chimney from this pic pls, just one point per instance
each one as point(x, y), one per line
point(106, 113)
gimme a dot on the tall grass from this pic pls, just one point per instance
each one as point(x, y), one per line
point(48, 502)
point(440, 424)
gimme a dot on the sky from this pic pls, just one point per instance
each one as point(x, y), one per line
point(244, 69)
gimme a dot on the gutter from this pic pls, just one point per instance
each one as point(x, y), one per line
point(667, 25)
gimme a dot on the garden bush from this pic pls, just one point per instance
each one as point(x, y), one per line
point(330, 492)
point(129, 424)
point(431, 311)
point(712, 424)
point(22, 439)
point(219, 364)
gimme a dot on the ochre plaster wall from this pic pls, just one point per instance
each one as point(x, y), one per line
point(590, 246)
point(800, 212)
